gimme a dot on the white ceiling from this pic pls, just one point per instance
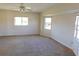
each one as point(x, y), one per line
point(36, 7)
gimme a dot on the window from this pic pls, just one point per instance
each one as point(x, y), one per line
point(47, 23)
point(76, 35)
point(21, 21)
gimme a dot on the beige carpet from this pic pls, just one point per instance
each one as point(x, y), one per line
point(32, 46)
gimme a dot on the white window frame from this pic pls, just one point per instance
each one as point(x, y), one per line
point(45, 22)
point(21, 21)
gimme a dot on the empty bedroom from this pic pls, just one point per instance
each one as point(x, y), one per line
point(39, 29)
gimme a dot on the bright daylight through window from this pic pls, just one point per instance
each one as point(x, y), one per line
point(47, 23)
point(76, 34)
point(21, 21)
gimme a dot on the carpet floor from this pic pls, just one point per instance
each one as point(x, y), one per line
point(32, 46)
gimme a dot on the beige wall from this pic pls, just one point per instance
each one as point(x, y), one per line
point(63, 25)
point(43, 31)
point(62, 29)
point(3, 23)
point(7, 23)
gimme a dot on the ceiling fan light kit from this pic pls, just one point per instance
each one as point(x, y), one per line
point(24, 9)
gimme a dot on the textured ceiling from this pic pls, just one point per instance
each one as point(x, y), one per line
point(36, 7)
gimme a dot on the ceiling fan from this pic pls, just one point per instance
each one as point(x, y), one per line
point(24, 9)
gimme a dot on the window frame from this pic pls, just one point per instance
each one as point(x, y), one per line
point(21, 21)
point(44, 22)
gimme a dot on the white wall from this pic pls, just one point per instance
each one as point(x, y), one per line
point(7, 26)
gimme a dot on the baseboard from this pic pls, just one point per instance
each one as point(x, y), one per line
point(46, 36)
point(59, 43)
point(55, 40)
point(21, 35)
point(64, 45)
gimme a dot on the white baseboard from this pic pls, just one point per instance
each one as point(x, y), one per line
point(21, 35)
